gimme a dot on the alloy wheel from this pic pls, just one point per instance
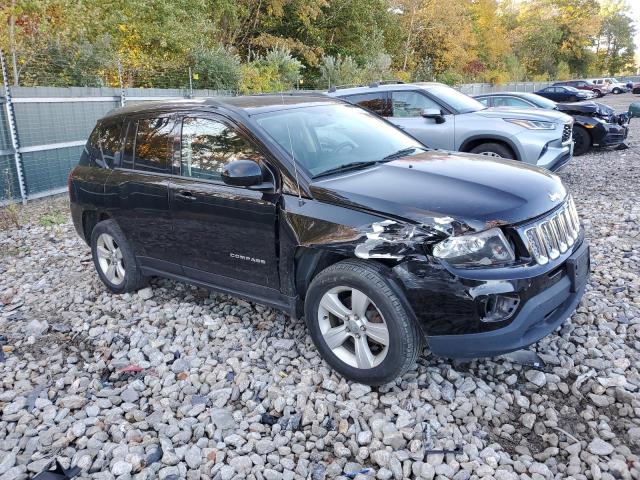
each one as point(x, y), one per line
point(491, 154)
point(110, 259)
point(353, 327)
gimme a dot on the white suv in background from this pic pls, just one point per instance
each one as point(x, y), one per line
point(444, 118)
point(611, 84)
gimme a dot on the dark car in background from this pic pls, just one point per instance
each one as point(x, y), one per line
point(598, 91)
point(595, 124)
point(320, 208)
point(561, 93)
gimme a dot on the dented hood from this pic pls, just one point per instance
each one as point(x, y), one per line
point(588, 108)
point(439, 187)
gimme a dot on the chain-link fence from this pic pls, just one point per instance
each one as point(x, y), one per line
point(44, 128)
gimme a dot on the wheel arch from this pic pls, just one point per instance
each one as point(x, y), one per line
point(476, 140)
point(90, 218)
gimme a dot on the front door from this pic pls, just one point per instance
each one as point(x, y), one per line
point(225, 232)
point(407, 107)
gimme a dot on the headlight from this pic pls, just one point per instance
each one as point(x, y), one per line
point(488, 248)
point(532, 124)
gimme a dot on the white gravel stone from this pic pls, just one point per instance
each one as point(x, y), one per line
point(211, 365)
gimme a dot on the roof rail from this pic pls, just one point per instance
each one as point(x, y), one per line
point(338, 87)
point(384, 82)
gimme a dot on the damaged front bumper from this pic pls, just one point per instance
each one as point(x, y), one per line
point(452, 310)
point(614, 135)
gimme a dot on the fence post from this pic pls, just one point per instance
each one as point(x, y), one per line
point(122, 96)
point(13, 131)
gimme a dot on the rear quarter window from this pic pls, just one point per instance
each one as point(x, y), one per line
point(379, 102)
point(104, 145)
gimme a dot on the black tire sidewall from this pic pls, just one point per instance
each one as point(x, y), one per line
point(580, 131)
point(132, 277)
point(401, 326)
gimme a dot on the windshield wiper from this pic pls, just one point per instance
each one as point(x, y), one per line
point(400, 153)
point(346, 167)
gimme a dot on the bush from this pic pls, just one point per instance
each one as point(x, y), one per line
point(450, 77)
point(287, 67)
point(274, 72)
point(217, 69)
point(339, 71)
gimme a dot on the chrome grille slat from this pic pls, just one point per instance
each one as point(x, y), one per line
point(553, 235)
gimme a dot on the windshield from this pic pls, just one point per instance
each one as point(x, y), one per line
point(541, 102)
point(572, 89)
point(455, 99)
point(326, 137)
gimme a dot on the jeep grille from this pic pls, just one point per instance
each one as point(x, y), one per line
point(553, 235)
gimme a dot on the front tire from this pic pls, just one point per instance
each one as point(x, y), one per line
point(617, 91)
point(493, 150)
point(359, 324)
point(113, 258)
point(581, 141)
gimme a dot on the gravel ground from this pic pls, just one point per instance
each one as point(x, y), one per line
point(176, 382)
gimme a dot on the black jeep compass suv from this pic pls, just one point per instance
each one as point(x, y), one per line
point(317, 207)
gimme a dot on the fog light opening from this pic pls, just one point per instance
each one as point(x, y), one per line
point(498, 308)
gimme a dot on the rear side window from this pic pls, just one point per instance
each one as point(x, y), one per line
point(148, 144)
point(375, 102)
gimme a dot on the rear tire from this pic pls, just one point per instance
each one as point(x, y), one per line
point(359, 324)
point(598, 93)
point(617, 91)
point(636, 91)
point(493, 150)
point(581, 141)
point(114, 259)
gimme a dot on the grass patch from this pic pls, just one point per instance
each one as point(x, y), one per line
point(10, 216)
point(52, 219)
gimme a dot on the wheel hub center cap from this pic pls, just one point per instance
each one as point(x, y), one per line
point(355, 325)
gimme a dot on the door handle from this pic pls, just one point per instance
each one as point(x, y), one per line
point(186, 195)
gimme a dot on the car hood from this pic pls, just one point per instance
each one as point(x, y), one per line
point(525, 114)
point(438, 187)
point(589, 108)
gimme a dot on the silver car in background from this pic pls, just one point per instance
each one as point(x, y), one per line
point(444, 118)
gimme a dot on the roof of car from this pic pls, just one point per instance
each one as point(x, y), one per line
point(249, 104)
point(384, 86)
point(494, 94)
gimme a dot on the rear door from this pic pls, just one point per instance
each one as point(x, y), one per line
point(406, 112)
point(138, 190)
point(225, 232)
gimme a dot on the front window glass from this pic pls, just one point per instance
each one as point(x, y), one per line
point(455, 99)
point(324, 137)
point(410, 104)
point(208, 145)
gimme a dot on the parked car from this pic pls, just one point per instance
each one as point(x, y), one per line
point(312, 205)
point(612, 84)
point(594, 124)
point(442, 117)
point(635, 88)
point(588, 85)
point(562, 93)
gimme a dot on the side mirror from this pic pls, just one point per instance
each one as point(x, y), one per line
point(434, 113)
point(634, 110)
point(242, 173)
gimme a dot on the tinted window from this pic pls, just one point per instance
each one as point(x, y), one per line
point(411, 104)
point(153, 145)
point(208, 145)
point(129, 144)
point(103, 146)
point(376, 102)
point(484, 101)
point(329, 136)
point(455, 99)
point(510, 102)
